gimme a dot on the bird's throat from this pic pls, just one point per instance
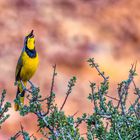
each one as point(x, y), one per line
point(30, 53)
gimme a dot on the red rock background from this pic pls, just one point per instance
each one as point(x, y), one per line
point(67, 33)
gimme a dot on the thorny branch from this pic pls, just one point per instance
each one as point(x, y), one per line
point(102, 90)
point(123, 88)
point(104, 109)
point(137, 92)
point(71, 83)
point(51, 91)
point(59, 126)
point(4, 107)
point(21, 133)
point(96, 66)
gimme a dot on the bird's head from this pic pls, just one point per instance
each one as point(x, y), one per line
point(30, 41)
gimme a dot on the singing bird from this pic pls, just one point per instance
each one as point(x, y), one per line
point(26, 66)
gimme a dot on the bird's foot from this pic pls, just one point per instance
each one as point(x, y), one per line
point(25, 89)
point(28, 90)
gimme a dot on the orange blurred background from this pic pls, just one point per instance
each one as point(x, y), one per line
point(67, 33)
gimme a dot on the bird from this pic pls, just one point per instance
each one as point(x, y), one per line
point(26, 67)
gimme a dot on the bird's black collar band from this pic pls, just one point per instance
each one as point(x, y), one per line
point(30, 53)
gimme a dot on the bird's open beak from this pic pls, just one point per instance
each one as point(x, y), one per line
point(31, 34)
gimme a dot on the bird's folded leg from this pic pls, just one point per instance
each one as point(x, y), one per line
point(32, 85)
point(24, 88)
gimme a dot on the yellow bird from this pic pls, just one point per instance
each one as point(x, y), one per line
point(26, 67)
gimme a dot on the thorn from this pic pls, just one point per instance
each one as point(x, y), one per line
point(21, 127)
point(75, 113)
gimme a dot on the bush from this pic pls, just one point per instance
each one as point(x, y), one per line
point(107, 122)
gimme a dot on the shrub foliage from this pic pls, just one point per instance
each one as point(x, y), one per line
point(111, 119)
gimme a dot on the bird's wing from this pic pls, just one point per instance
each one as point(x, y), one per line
point(18, 68)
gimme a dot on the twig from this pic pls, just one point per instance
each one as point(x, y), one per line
point(106, 126)
point(22, 131)
point(78, 123)
point(3, 111)
point(32, 135)
point(93, 64)
point(136, 89)
point(123, 89)
point(92, 85)
point(134, 110)
point(120, 138)
point(111, 97)
point(71, 83)
point(16, 135)
point(74, 113)
point(137, 136)
point(136, 101)
point(51, 91)
point(104, 83)
point(46, 124)
point(64, 101)
point(2, 97)
point(120, 94)
point(45, 134)
point(105, 115)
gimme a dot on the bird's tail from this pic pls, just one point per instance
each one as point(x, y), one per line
point(20, 96)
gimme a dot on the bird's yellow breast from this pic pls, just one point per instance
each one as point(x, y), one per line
point(29, 66)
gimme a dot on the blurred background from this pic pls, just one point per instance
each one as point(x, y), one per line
point(67, 33)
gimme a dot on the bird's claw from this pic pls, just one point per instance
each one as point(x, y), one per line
point(32, 88)
point(24, 88)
